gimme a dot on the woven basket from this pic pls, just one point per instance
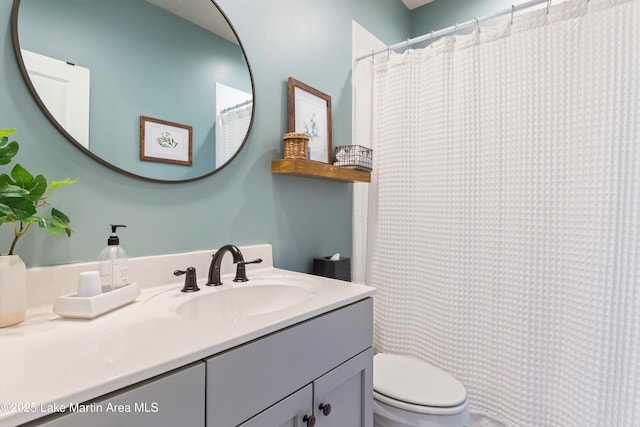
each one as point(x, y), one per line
point(296, 145)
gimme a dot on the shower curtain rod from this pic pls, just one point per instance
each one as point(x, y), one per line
point(452, 29)
point(237, 106)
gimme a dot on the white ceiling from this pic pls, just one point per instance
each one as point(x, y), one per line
point(412, 4)
point(201, 13)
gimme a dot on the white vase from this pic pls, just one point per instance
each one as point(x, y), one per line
point(13, 290)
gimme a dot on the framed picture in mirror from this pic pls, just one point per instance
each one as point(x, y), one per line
point(163, 141)
point(310, 113)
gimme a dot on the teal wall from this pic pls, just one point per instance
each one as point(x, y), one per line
point(244, 203)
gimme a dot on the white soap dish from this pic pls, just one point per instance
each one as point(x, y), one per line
point(89, 307)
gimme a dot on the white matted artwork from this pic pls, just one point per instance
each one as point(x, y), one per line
point(163, 141)
point(310, 113)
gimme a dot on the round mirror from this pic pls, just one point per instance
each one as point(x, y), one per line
point(156, 89)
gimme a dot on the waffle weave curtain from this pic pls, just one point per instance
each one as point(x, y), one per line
point(231, 128)
point(505, 206)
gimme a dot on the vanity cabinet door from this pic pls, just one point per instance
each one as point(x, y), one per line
point(246, 380)
point(174, 399)
point(349, 390)
point(289, 412)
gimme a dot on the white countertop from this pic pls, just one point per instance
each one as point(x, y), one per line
point(48, 363)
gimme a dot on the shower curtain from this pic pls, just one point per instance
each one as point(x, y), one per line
point(231, 128)
point(505, 205)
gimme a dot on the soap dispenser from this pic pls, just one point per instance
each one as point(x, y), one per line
point(113, 262)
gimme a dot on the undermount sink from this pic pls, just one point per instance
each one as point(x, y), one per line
point(233, 301)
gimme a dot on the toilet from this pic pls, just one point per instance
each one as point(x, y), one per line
point(412, 393)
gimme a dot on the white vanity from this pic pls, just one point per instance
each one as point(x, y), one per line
point(275, 351)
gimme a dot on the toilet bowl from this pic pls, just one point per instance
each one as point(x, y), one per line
point(412, 393)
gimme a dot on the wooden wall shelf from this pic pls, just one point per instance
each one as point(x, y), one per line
point(312, 169)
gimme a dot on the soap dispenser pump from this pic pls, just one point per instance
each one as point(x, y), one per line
point(113, 262)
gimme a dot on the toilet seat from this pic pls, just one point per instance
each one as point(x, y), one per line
point(419, 409)
point(416, 386)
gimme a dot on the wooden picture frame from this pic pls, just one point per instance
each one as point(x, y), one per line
point(166, 142)
point(310, 113)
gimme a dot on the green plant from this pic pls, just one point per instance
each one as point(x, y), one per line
point(22, 195)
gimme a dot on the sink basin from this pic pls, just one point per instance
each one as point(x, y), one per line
point(245, 301)
point(233, 301)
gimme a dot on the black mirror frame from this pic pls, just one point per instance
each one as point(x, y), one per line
point(63, 131)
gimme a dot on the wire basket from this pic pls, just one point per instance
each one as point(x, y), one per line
point(296, 145)
point(354, 157)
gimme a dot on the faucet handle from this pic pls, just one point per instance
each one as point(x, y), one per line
point(241, 271)
point(190, 283)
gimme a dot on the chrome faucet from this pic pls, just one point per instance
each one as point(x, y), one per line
point(238, 259)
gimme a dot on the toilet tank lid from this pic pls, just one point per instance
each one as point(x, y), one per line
point(415, 381)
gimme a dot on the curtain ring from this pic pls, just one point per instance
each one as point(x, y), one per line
point(388, 51)
point(513, 9)
point(548, 4)
point(431, 42)
point(477, 24)
point(455, 32)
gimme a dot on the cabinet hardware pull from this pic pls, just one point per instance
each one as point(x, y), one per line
point(310, 420)
point(325, 408)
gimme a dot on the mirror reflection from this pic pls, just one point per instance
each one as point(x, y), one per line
point(96, 67)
